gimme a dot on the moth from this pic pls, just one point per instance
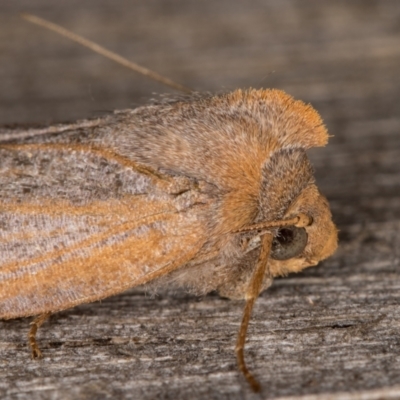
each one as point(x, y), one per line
point(205, 192)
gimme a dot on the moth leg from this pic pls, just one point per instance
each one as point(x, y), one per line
point(35, 325)
point(300, 221)
point(251, 295)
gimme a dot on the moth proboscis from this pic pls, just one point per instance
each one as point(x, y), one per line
point(204, 192)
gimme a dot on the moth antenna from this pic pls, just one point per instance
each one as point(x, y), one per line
point(300, 221)
point(251, 295)
point(35, 325)
point(106, 53)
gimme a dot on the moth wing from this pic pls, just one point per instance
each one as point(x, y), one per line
point(63, 242)
point(84, 257)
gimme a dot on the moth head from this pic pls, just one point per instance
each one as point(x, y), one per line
point(297, 247)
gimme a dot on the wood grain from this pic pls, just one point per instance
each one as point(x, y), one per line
point(330, 332)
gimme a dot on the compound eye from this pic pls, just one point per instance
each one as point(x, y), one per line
point(288, 243)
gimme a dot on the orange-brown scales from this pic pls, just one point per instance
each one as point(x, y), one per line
point(91, 209)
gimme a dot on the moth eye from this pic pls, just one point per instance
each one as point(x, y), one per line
point(288, 243)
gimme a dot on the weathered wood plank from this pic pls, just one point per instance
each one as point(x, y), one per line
point(332, 330)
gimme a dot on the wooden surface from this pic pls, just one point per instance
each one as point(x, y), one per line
point(331, 332)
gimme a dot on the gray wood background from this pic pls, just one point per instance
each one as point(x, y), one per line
point(331, 332)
